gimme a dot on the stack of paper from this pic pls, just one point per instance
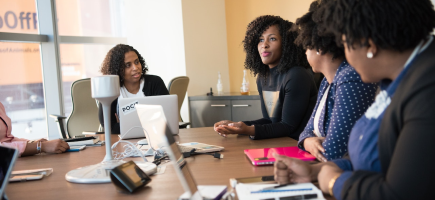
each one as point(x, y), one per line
point(256, 191)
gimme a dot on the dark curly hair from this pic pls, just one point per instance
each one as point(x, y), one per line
point(113, 63)
point(311, 36)
point(292, 55)
point(391, 24)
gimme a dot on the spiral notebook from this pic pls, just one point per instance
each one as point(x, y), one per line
point(296, 191)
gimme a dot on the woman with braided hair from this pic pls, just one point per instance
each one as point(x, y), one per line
point(284, 81)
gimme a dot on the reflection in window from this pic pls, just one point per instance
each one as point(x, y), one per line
point(21, 90)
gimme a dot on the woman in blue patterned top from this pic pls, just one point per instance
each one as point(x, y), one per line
point(342, 97)
point(391, 148)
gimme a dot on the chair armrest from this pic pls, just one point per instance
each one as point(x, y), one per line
point(61, 125)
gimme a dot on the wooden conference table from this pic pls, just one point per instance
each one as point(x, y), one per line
point(205, 169)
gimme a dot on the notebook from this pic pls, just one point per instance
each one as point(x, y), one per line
point(130, 126)
point(8, 157)
point(296, 191)
point(163, 139)
point(153, 131)
point(265, 156)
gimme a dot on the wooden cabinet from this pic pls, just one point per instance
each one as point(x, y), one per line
point(207, 110)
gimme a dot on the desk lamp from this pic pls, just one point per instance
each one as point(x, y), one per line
point(105, 89)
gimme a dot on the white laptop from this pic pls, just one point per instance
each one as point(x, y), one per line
point(159, 137)
point(8, 157)
point(130, 126)
point(152, 131)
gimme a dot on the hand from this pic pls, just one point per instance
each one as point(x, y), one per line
point(223, 122)
point(314, 146)
point(54, 146)
point(235, 128)
point(327, 172)
point(291, 170)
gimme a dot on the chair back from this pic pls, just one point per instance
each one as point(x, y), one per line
point(84, 114)
point(178, 86)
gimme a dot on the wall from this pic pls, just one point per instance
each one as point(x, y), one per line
point(205, 39)
point(155, 29)
point(238, 15)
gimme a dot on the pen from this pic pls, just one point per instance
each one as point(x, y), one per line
point(288, 190)
point(277, 186)
point(297, 197)
point(72, 150)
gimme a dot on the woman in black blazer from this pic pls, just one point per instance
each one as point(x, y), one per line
point(126, 62)
point(391, 148)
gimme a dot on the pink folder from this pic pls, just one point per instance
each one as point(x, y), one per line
point(265, 157)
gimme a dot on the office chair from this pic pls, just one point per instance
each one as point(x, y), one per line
point(178, 86)
point(84, 114)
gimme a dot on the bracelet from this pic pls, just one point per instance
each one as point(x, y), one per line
point(38, 147)
point(331, 184)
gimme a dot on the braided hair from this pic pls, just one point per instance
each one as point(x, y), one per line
point(114, 64)
point(292, 55)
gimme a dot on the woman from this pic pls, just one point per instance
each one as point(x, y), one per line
point(285, 82)
point(26, 147)
point(391, 146)
point(126, 62)
point(342, 93)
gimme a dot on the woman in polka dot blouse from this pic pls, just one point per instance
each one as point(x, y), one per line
point(342, 97)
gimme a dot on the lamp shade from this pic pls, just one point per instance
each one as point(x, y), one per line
point(105, 88)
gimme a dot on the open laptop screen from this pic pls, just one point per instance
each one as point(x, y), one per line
point(153, 120)
point(7, 161)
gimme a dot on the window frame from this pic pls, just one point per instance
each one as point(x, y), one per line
point(49, 41)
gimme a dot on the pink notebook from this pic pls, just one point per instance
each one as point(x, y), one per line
point(265, 156)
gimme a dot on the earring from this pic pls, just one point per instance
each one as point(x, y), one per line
point(369, 55)
point(318, 53)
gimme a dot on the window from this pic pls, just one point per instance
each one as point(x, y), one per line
point(38, 62)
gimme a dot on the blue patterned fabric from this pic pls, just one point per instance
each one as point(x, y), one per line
point(347, 100)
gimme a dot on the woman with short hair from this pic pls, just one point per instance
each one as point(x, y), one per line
point(341, 93)
point(391, 147)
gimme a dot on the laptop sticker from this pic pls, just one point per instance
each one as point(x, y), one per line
point(129, 108)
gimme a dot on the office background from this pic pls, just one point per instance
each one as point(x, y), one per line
point(66, 40)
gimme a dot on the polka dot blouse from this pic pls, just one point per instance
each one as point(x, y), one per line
point(347, 100)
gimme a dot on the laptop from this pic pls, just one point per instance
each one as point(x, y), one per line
point(265, 157)
point(146, 114)
point(8, 157)
point(130, 126)
point(159, 137)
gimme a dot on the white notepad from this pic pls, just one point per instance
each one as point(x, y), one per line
point(244, 191)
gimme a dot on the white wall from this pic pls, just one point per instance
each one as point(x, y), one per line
point(205, 39)
point(155, 29)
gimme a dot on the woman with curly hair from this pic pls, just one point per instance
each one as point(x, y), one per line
point(126, 62)
point(342, 93)
point(285, 82)
point(391, 147)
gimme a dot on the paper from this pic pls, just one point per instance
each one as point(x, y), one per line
point(250, 191)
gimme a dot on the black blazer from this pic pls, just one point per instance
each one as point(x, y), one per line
point(406, 141)
point(153, 86)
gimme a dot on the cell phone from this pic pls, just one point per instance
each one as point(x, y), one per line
point(76, 148)
point(26, 177)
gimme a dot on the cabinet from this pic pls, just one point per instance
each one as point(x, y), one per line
point(207, 110)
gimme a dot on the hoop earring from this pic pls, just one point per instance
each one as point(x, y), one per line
point(369, 55)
